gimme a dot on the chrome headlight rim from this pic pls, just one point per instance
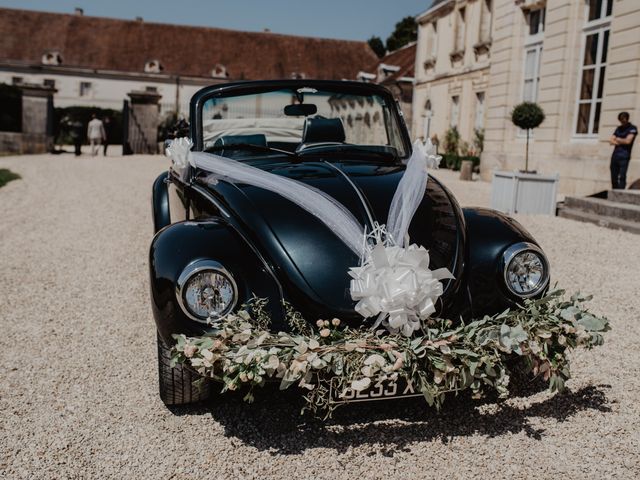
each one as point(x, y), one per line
point(191, 270)
point(516, 249)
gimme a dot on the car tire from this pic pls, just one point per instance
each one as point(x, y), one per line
point(176, 384)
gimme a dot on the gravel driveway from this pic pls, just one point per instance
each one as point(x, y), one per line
point(78, 391)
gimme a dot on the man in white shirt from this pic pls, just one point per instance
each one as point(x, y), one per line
point(96, 134)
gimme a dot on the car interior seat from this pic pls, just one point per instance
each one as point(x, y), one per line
point(319, 129)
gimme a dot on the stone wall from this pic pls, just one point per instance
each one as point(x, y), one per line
point(36, 135)
point(23, 143)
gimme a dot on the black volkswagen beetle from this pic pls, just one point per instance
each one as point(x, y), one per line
point(219, 242)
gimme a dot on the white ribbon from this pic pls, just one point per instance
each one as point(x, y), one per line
point(396, 284)
point(179, 151)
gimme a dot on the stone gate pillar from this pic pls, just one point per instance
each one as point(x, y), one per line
point(37, 118)
point(141, 134)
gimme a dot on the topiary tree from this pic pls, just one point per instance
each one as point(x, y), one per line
point(527, 115)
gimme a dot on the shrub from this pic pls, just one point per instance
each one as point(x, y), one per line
point(478, 139)
point(527, 115)
point(454, 162)
point(452, 141)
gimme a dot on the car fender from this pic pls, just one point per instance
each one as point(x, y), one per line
point(489, 234)
point(176, 246)
point(160, 202)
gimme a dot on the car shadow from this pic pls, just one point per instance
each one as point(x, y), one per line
point(273, 422)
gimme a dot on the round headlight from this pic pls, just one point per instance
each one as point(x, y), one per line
point(526, 270)
point(206, 290)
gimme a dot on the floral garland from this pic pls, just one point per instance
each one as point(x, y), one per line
point(241, 351)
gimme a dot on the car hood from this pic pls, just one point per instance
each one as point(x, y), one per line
point(309, 260)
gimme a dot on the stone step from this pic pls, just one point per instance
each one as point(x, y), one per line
point(604, 207)
point(608, 222)
point(624, 196)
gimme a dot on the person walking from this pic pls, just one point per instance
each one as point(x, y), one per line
point(622, 141)
point(96, 134)
point(107, 133)
point(76, 130)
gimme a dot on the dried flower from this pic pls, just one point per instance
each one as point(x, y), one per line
point(398, 364)
point(190, 350)
point(325, 332)
point(320, 323)
point(335, 322)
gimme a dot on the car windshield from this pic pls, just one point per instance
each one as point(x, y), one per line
point(301, 120)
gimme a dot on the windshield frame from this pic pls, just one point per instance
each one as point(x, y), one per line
point(256, 87)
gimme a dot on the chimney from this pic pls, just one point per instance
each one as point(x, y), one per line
point(139, 19)
point(266, 30)
point(79, 11)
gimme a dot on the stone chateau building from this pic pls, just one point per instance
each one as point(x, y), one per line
point(578, 59)
point(95, 61)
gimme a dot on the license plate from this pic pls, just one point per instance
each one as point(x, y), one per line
point(381, 390)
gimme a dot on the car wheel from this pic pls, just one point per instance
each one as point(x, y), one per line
point(176, 384)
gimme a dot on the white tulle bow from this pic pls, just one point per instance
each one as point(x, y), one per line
point(179, 151)
point(396, 284)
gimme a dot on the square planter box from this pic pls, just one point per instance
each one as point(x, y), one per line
point(516, 192)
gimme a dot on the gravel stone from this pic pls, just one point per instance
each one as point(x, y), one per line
point(78, 386)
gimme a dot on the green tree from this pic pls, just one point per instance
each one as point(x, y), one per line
point(527, 115)
point(406, 31)
point(377, 45)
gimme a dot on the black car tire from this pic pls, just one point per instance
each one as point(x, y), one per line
point(176, 384)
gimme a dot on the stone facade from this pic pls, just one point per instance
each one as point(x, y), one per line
point(452, 69)
point(578, 59)
point(573, 140)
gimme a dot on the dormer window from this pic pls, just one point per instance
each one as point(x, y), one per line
point(298, 75)
point(366, 77)
point(153, 66)
point(219, 71)
point(385, 70)
point(52, 58)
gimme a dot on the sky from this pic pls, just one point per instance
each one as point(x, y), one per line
point(344, 19)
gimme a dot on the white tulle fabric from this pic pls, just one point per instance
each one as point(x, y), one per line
point(393, 280)
point(340, 220)
point(410, 191)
